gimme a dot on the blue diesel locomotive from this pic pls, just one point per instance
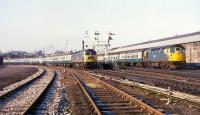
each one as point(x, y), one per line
point(168, 57)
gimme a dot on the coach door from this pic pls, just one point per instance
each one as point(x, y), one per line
point(145, 55)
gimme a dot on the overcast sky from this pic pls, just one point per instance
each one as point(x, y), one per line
point(40, 24)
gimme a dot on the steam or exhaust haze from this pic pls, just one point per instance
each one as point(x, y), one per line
point(47, 24)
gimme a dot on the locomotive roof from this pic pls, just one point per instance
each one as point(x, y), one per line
point(178, 39)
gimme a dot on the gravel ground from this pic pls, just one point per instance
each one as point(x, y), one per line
point(14, 73)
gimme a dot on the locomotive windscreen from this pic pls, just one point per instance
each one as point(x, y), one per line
point(90, 52)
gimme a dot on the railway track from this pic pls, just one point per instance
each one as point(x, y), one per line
point(106, 99)
point(9, 89)
point(22, 98)
point(86, 94)
point(165, 74)
point(52, 101)
point(184, 73)
point(159, 99)
point(174, 82)
point(77, 100)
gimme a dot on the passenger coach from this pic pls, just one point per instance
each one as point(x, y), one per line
point(82, 59)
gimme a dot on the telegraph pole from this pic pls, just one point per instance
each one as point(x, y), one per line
point(66, 43)
point(83, 45)
point(96, 38)
point(107, 46)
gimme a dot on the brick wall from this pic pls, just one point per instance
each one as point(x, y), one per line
point(192, 52)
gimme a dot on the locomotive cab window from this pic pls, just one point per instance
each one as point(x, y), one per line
point(172, 50)
point(178, 49)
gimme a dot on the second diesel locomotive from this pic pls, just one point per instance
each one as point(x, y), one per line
point(168, 57)
point(172, 57)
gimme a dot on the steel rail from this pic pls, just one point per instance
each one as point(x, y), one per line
point(128, 97)
point(175, 94)
point(96, 109)
point(166, 75)
point(176, 83)
point(31, 106)
point(147, 76)
point(34, 76)
point(185, 73)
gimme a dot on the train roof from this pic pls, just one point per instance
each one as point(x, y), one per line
point(163, 39)
point(174, 40)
